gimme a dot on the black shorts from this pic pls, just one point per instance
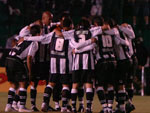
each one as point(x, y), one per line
point(105, 73)
point(132, 70)
point(82, 76)
point(62, 78)
point(123, 71)
point(40, 71)
point(16, 70)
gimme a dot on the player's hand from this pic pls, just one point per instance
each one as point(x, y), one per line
point(73, 51)
point(20, 40)
point(93, 40)
point(105, 27)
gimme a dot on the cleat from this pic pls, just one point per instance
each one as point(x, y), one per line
point(88, 111)
point(129, 107)
point(44, 107)
point(34, 109)
point(24, 110)
point(69, 108)
point(58, 109)
point(9, 108)
point(81, 109)
point(15, 107)
point(51, 108)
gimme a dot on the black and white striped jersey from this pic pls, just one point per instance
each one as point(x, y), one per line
point(60, 52)
point(129, 34)
point(24, 49)
point(82, 60)
point(121, 44)
point(105, 48)
point(59, 61)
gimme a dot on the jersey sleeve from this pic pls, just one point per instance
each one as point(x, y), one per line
point(96, 31)
point(128, 31)
point(24, 31)
point(77, 45)
point(33, 49)
point(68, 34)
point(44, 39)
point(87, 48)
point(120, 41)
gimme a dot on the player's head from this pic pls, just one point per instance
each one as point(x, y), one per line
point(47, 17)
point(98, 21)
point(84, 23)
point(35, 30)
point(67, 22)
point(38, 22)
point(111, 22)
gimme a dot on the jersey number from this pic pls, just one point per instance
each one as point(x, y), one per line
point(81, 38)
point(107, 41)
point(59, 44)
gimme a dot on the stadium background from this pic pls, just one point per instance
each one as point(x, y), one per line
point(15, 14)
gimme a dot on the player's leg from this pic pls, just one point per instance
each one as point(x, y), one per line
point(11, 95)
point(87, 80)
point(57, 95)
point(23, 96)
point(74, 91)
point(100, 77)
point(110, 88)
point(10, 69)
point(33, 94)
point(122, 69)
point(47, 95)
point(80, 98)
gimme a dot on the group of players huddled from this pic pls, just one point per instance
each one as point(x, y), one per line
point(87, 58)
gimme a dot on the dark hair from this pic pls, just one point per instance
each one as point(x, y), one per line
point(112, 23)
point(98, 20)
point(64, 15)
point(67, 22)
point(35, 29)
point(84, 23)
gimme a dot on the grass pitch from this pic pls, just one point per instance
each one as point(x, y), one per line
point(142, 104)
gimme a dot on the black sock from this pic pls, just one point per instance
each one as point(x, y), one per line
point(121, 99)
point(47, 94)
point(130, 93)
point(110, 97)
point(89, 98)
point(17, 98)
point(74, 98)
point(80, 96)
point(33, 93)
point(65, 93)
point(11, 95)
point(23, 97)
point(102, 97)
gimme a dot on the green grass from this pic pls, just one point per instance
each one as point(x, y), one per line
point(142, 104)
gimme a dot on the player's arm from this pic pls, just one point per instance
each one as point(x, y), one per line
point(24, 31)
point(45, 39)
point(127, 29)
point(33, 49)
point(79, 45)
point(68, 34)
point(98, 30)
point(84, 49)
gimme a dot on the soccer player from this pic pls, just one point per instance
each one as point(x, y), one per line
point(35, 76)
point(17, 72)
point(124, 63)
point(106, 64)
point(129, 33)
